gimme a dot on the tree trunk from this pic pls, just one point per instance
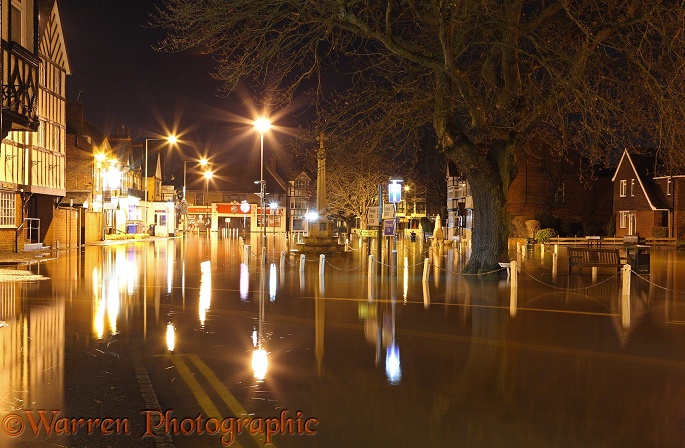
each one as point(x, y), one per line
point(489, 175)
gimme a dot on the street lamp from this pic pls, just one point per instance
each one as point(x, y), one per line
point(262, 125)
point(208, 175)
point(172, 139)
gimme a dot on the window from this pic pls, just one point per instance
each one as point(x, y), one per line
point(632, 187)
point(7, 209)
point(16, 23)
point(559, 196)
point(623, 219)
point(669, 185)
point(622, 188)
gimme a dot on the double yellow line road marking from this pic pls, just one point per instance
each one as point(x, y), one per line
point(203, 398)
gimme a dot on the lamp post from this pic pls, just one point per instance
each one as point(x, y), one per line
point(171, 140)
point(262, 125)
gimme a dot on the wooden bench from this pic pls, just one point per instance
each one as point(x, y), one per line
point(593, 257)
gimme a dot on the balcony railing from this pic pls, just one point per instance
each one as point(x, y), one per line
point(19, 88)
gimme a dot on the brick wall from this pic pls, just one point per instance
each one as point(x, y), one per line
point(535, 192)
point(64, 229)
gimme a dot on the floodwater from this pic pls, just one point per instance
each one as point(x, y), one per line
point(201, 332)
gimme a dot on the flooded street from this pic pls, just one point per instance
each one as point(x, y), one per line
point(228, 350)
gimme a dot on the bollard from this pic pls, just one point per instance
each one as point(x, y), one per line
point(322, 262)
point(393, 262)
point(518, 247)
point(556, 248)
point(302, 260)
point(513, 289)
point(426, 271)
point(263, 255)
point(625, 296)
point(542, 251)
point(282, 260)
point(594, 274)
point(555, 256)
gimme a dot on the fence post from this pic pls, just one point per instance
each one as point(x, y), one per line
point(426, 271)
point(625, 296)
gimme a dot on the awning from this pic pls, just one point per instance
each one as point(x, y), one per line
point(75, 199)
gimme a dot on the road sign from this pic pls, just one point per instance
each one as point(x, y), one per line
point(394, 192)
point(388, 211)
point(372, 216)
point(369, 233)
point(389, 227)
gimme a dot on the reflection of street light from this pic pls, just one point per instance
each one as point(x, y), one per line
point(262, 125)
point(208, 175)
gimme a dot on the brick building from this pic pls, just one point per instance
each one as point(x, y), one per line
point(34, 70)
point(648, 202)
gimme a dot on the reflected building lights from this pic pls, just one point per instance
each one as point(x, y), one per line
point(205, 290)
point(244, 281)
point(272, 282)
point(113, 305)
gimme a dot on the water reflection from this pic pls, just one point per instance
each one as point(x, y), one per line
point(170, 337)
point(474, 362)
point(272, 282)
point(205, 290)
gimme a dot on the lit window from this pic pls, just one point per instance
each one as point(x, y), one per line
point(622, 188)
point(623, 219)
point(669, 185)
point(7, 209)
point(632, 187)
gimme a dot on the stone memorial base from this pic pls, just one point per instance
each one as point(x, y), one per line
point(320, 240)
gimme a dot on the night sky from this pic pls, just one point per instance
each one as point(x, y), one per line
point(122, 81)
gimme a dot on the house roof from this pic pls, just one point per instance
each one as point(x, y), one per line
point(645, 168)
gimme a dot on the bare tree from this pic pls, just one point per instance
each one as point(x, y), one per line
point(488, 77)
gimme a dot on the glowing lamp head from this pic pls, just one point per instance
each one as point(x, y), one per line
point(262, 125)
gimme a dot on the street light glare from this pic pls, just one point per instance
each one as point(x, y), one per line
point(204, 162)
point(262, 125)
point(172, 139)
point(208, 174)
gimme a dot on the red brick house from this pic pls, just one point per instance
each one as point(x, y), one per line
point(647, 202)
